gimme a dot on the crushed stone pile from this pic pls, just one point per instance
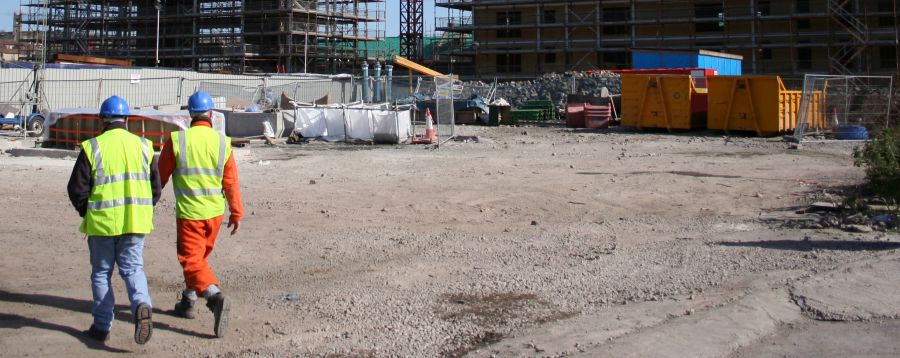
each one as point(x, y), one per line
point(555, 87)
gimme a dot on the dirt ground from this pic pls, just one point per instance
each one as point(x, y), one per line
point(530, 242)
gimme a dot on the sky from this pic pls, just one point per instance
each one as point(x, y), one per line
point(8, 7)
point(393, 16)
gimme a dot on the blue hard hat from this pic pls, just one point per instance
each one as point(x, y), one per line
point(114, 106)
point(199, 102)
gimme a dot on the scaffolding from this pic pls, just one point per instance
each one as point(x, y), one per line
point(453, 50)
point(225, 36)
point(525, 38)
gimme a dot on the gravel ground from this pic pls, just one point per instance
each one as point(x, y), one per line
point(409, 251)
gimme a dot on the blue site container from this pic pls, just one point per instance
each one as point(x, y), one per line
point(725, 64)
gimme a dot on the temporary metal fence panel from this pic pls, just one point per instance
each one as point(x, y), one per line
point(404, 87)
point(275, 89)
point(288, 86)
point(343, 90)
point(445, 121)
point(71, 93)
point(87, 88)
point(400, 91)
point(387, 91)
point(15, 91)
point(230, 93)
point(305, 90)
point(15, 84)
point(311, 91)
point(833, 106)
point(142, 87)
point(90, 93)
point(143, 92)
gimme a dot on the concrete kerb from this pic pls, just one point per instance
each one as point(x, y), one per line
point(43, 152)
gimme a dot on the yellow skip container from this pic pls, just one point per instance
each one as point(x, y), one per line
point(758, 104)
point(661, 101)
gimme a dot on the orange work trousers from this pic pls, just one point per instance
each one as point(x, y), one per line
point(196, 239)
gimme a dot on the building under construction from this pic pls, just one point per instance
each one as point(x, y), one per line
point(525, 38)
point(230, 36)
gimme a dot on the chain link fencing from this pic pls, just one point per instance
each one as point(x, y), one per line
point(844, 107)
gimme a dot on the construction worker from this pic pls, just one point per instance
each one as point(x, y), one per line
point(114, 186)
point(203, 169)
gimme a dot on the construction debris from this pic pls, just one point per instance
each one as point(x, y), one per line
point(555, 87)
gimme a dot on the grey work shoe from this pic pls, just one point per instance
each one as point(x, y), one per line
point(185, 308)
point(143, 324)
point(219, 305)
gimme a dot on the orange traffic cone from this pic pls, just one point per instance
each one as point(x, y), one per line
point(430, 133)
point(430, 136)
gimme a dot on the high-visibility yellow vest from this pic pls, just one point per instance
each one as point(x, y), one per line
point(121, 200)
point(200, 155)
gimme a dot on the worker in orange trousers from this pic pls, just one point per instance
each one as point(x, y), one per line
point(204, 175)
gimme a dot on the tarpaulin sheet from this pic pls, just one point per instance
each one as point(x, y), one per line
point(181, 119)
point(357, 123)
point(335, 123)
point(310, 122)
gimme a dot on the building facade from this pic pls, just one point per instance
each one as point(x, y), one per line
point(525, 38)
point(9, 47)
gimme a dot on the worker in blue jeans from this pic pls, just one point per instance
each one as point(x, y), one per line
point(114, 185)
point(126, 251)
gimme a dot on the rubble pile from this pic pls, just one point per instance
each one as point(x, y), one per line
point(556, 86)
point(823, 215)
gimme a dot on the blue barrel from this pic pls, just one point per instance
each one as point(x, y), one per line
point(849, 132)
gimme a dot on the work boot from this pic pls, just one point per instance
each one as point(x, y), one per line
point(185, 308)
point(219, 305)
point(98, 334)
point(143, 324)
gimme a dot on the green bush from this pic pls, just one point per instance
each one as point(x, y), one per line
point(881, 158)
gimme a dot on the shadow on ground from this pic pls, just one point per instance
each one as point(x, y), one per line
point(810, 245)
point(14, 321)
point(75, 305)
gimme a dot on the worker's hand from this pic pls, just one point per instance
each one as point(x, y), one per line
point(235, 225)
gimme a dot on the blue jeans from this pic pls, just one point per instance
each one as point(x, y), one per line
point(127, 251)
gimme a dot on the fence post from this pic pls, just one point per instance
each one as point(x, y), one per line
point(179, 95)
point(99, 93)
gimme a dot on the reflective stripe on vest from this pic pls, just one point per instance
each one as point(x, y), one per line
point(121, 200)
point(100, 179)
point(199, 170)
point(197, 192)
point(183, 169)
